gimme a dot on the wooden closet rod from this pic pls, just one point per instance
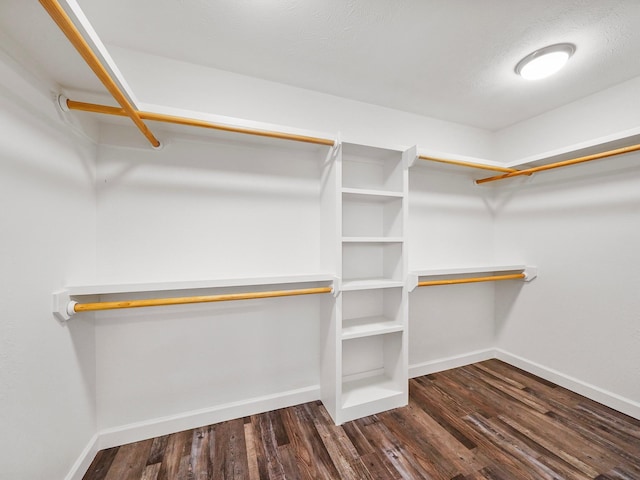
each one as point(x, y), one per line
point(494, 278)
point(65, 24)
point(566, 163)
point(156, 302)
point(159, 117)
point(467, 164)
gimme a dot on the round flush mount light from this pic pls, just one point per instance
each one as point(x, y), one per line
point(545, 61)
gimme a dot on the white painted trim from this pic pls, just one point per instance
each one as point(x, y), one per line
point(83, 462)
point(448, 363)
point(610, 399)
point(156, 427)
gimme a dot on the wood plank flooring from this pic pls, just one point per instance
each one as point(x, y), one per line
point(487, 421)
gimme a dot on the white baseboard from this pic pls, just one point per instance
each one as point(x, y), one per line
point(448, 363)
point(612, 400)
point(81, 465)
point(156, 427)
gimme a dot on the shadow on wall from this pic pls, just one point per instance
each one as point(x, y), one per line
point(22, 117)
point(506, 295)
point(222, 166)
point(588, 188)
point(450, 320)
point(82, 335)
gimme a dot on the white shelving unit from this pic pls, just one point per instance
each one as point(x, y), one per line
point(365, 351)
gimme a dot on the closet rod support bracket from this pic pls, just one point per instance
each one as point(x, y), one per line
point(337, 144)
point(63, 306)
point(337, 287)
point(61, 101)
point(530, 273)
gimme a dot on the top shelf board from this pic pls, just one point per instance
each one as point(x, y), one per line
point(469, 270)
point(197, 284)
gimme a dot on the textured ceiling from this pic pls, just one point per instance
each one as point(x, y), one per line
point(449, 59)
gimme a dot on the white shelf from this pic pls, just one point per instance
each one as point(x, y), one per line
point(368, 326)
point(370, 283)
point(195, 284)
point(469, 269)
point(365, 194)
point(372, 240)
point(414, 276)
point(368, 390)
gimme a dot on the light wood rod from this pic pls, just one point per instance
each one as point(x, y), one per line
point(160, 117)
point(95, 108)
point(65, 24)
point(565, 163)
point(466, 164)
point(156, 302)
point(494, 278)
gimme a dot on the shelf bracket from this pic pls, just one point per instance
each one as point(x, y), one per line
point(63, 305)
point(337, 286)
point(336, 146)
point(530, 273)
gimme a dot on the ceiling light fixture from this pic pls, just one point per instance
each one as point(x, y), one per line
point(545, 61)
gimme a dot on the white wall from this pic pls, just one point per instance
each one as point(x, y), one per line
point(47, 216)
point(198, 210)
point(163, 81)
point(450, 225)
point(581, 227)
point(239, 207)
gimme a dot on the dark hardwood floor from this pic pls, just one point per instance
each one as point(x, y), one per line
point(487, 421)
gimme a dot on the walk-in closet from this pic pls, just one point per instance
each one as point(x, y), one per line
point(319, 240)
